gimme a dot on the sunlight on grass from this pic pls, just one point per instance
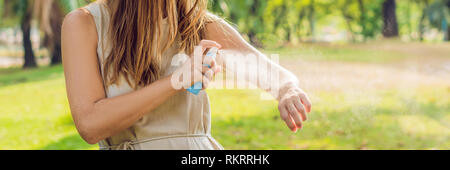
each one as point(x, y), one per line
point(377, 120)
point(422, 126)
point(35, 115)
point(35, 112)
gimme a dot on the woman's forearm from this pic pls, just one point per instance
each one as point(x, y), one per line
point(283, 86)
point(257, 69)
point(255, 66)
point(284, 79)
point(109, 116)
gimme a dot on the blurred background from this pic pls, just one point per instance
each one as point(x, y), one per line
point(378, 72)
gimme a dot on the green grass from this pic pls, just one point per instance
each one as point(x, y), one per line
point(396, 120)
point(342, 53)
point(34, 114)
point(17, 52)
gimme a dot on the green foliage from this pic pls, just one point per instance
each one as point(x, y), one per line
point(409, 13)
point(12, 12)
point(284, 21)
point(70, 5)
point(246, 14)
point(439, 14)
point(372, 19)
point(2, 4)
point(267, 22)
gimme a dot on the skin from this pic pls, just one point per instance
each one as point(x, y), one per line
point(294, 103)
point(98, 117)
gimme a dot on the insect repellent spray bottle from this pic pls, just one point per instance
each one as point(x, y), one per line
point(198, 86)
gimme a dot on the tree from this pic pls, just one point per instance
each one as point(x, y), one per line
point(447, 37)
point(22, 11)
point(256, 14)
point(348, 15)
point(50, 14)
point(422, 20)
point(30, 61)
point(362, 20)
point(281, 19)
point(306, 11)
point(247, 14)
point(390, 26)
point(438, 15)
point(363, 17)
point(312, 17)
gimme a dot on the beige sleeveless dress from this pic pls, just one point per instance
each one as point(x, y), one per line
point(183, 122)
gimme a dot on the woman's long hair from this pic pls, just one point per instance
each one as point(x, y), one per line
point(135, 34)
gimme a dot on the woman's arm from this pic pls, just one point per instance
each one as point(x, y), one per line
point(97, 117)
point(293, 101)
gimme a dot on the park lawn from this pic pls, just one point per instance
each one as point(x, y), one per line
point(335, 52)
point(34, 114)
point(17, 52)
point(34, 111)
point(374, 52)
point(396, 120)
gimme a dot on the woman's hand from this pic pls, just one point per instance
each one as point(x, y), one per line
point(294, 104)
point(196, 69)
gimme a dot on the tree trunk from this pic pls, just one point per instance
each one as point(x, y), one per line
point(348, 20)
point(350, 29)
point(30, 61)
point(56, 20)
point(362, 18)
point(282, 22)
point(254, 40)
point(408, 16)
point(447, 36)
point(312, 19)
point(422, 21)
point(287, 27)
point(252, 33)
point(56, 55)
point(422, 26)
point(288, 34)
point(390, 27)
point(298, 26)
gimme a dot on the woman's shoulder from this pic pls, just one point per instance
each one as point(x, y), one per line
point(79, 22)
point(84, 16)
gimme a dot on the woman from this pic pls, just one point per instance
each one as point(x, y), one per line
point(116, 56)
